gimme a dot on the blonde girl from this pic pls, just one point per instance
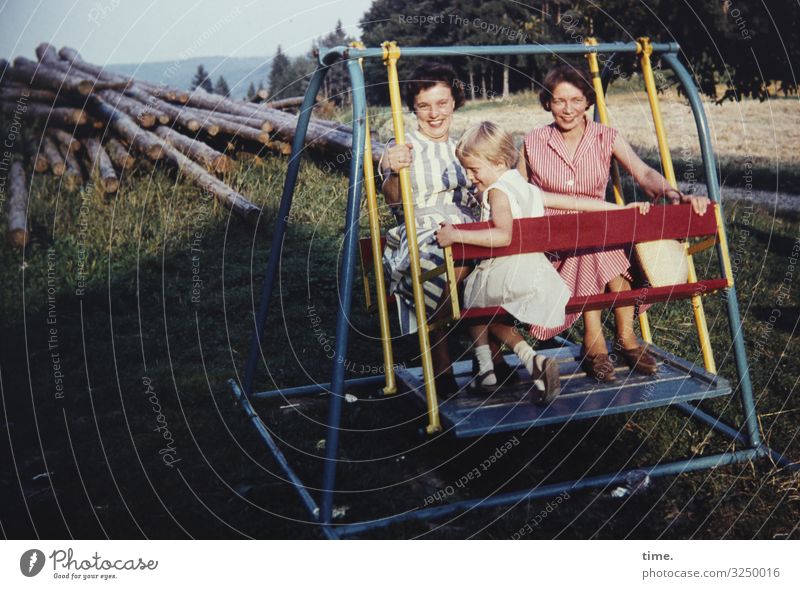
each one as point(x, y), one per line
point(525, 285)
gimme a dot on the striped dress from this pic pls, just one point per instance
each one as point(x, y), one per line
point(441, 192)
point(585, 175)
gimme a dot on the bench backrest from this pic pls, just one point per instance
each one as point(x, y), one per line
point(583, 231)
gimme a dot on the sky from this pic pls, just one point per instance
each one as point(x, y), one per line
point(136, 31)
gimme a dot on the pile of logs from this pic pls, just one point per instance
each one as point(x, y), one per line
point(103, 123)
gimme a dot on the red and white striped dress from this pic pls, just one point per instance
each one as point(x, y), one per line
point(585, 175)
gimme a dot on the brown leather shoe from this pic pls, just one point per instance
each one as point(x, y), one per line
point(639, 358)
point(551, 379)
point(599, 367)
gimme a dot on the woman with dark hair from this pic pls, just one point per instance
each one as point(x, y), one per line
point(442, 194)
point(573, 156)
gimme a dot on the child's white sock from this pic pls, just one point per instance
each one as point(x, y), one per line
point(484, 356)
point(528, 357)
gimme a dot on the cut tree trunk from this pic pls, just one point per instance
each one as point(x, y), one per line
point(180, 115)
point(238, 119)
point(225, 125)
point(15, 92)
point(48, 77)
point(159, 91)
point(60, 115)
point(99, 161)
point(37, 157)
point(72, 177)
point(293, 102)
point(17, 227)
point(65, 138)
point(125, 126)
point(133, 108)
point(120, 155)
point(144, 140)
point(208, 157)
point(53, 156)
point(506, 67)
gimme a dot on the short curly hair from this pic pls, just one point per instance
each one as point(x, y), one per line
point(430, 74)
point(576, 76)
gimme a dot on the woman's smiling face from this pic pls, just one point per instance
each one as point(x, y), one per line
point(434, 108)
point(568, 106)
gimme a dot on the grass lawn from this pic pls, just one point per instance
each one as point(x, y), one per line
point(125, 317)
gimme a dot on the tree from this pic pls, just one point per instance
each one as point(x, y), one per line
point(251, 91)
point(280, 74)
point(744, 46)
point(201, 80)
point(336, 86)
point(747, 47)
point(222, 88)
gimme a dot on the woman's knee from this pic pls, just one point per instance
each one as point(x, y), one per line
point(618, 284)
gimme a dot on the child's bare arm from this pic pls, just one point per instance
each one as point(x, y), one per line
point(573, 203)
point(497, 236)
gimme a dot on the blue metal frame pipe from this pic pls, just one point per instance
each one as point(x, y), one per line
point(305, 496)
point(298, 145)
point(712, 182)
point(328, 55)
point(345, 289)
point(321, 387)
point(672, 468)
point(714, 422)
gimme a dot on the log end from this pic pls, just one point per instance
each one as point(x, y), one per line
point(146, 120)
point(212, 129)
point(58, 169)
point(223, 164)
point(155, 152)
point(18, 237)
point(110, 185)
point(85, 87)
point(40, 164)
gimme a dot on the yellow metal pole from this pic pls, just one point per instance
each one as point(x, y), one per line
point(377, 256)
point(391, 53)
point(669, 172)
point(602, 111)
point(723, 242)
point(451, 280)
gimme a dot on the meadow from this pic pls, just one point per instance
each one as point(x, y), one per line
point(125, 317)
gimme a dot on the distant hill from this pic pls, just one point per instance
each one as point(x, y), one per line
point(237, 71)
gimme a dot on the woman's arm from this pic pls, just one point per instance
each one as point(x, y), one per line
point(497, 236)
point(395, 157)
point(653, 183)
point(573, 203)
point(522, 164)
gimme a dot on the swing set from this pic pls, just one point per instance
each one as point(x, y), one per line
point(678, 382)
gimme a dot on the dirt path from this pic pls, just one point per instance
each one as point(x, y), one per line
point(772, 201)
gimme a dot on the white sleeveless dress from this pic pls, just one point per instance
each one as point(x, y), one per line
point(525, 285)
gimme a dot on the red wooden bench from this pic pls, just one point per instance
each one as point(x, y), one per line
point(573, 234)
